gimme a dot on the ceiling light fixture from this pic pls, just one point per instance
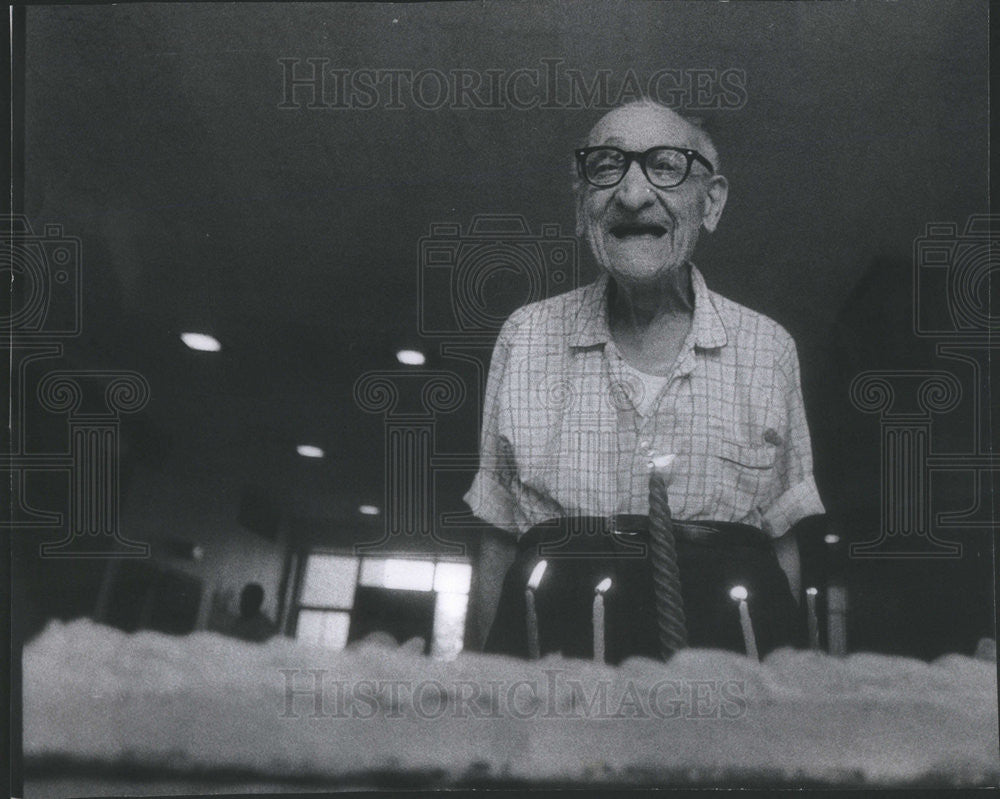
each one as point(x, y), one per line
point(309, 451)
point(201, 342)
point(411, 357)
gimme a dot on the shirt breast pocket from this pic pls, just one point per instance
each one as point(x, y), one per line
point(745, 475)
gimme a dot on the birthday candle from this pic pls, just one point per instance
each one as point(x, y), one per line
point(739, 593)
point(599, 591)
point(813, 622)
point(836, 607)
point(836, 615)
point(671, 622)
point(532, 614)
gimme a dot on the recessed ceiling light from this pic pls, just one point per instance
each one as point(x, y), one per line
point(309, 451)
point(201, 342)
point(368, 510)
point(411, 357)
point(831, 538)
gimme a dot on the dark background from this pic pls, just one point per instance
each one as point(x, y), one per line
point(154, 134)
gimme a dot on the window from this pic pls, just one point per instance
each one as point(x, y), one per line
point(330, 581)
point(324, 627)
point(330, 585)
point(400, 573)
point(326, 600)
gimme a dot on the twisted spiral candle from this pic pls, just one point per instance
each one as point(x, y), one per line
point(666, 574)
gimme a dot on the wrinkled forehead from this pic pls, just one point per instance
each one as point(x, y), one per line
point(639, 127)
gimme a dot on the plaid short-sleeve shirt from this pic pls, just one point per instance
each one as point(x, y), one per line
point(568, 430)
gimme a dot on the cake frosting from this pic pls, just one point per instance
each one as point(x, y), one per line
point(97, 697)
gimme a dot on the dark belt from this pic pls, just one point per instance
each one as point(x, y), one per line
point(579, 532)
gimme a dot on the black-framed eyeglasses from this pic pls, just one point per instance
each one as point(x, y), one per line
point(664, 167)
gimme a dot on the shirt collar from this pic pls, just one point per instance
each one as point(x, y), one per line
point(591, 325)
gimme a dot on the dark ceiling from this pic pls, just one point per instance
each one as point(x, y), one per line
point(154, 134)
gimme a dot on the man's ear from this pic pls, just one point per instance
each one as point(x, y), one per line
point(715, 201)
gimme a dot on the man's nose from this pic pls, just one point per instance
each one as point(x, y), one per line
point(634, 191)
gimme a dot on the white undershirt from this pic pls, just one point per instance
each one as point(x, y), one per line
point(652, 385)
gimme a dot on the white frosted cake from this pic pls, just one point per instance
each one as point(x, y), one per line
point(99, 704)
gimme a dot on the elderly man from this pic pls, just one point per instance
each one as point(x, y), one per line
point(586, 388)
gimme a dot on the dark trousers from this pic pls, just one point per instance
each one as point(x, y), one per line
point(580, 552)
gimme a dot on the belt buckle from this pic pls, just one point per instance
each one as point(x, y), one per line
point(626, 525)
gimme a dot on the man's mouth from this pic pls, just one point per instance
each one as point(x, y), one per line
point(628, 230)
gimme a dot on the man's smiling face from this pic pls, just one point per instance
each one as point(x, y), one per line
point(639, 232)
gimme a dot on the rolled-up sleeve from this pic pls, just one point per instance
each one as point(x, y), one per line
point(798, 496)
